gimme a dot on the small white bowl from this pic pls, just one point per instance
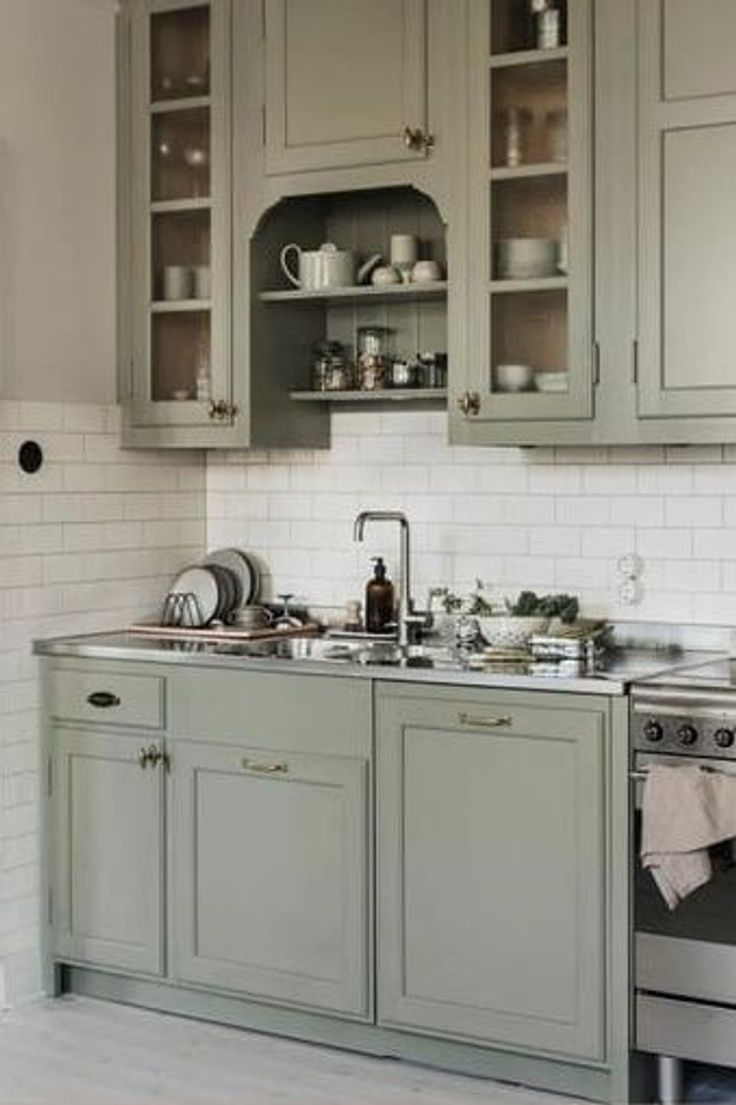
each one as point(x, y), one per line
point(513, 377)
point(509, 630)
point(526, 258)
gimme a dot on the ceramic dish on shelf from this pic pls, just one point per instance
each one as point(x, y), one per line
point(551, 380)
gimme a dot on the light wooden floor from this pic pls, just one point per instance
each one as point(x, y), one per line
point(76, 1051)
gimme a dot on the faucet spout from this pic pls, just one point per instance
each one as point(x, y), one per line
point(406, 605)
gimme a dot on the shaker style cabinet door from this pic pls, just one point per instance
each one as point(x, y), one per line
point(346, 83)
point(108, 825)
point(491, 861)
point(269, 881)
point(687, 230)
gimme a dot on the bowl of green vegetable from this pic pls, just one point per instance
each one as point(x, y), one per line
point(526, 616)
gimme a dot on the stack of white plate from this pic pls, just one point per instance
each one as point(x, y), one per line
point(551, 380)
point(226, 580)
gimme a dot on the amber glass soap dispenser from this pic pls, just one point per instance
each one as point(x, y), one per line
point(379, 599)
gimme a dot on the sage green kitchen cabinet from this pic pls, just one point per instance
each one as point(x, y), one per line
point(491, 861)
point(190, 375)
point(346, 83)
point(687, 231)
point(269, 879)
point(530, 177)
point(106, 903)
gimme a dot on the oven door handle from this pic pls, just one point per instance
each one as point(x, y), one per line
point(642, 774)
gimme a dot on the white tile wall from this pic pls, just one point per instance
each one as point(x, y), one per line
point(515, 518)
point(87, 543)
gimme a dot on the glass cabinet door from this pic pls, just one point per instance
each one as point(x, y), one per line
point(180, 182)
point(530, 283)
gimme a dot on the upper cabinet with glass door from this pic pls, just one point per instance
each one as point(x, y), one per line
point(179, 220)
point(530, 357)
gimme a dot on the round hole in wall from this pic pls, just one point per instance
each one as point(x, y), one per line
point(30, 457)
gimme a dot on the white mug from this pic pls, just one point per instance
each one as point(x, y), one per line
point(404, 249)
point(326, 267)
point(177, 282)
point(426, 272)
point(202, 281)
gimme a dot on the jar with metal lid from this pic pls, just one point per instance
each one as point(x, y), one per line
point(331, 370)
point(373, 358)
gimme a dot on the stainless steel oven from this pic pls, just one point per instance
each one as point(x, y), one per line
point(685, 959)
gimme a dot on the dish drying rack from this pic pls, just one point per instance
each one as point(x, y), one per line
point(181, 619)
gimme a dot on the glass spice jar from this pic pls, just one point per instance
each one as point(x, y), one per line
point(331, 370)
point(373, 359)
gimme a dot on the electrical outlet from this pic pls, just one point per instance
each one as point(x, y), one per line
point(630, 566)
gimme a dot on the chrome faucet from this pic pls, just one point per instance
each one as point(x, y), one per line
point(406, 616)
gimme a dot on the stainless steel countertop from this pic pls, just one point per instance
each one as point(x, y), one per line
point(327, 657)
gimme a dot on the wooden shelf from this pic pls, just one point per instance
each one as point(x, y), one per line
point(527, 57)
point(167, 306)
point(529, 172)
point(165, 207)
point(539, 284)
point(435, 290)
point(182, 103)
point(387, 395)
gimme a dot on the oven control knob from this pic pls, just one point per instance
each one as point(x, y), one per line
point(687, 734)
point(723, 737)
point(653, 731)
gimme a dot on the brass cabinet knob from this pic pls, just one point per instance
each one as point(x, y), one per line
point(417, 139)
point(469, 403)
point(152, 755)
point(221, 409)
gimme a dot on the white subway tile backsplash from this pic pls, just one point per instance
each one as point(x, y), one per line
point(89, 542)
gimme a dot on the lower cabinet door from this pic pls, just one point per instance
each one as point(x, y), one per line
point(108, 824)
point(491, 869)
point(269, 876)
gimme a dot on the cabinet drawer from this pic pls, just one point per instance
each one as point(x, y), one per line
point(114, 698)
point(299, 713)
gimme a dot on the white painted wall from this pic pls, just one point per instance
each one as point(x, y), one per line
point(57, 200)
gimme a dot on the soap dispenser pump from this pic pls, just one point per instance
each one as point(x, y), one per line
point(379, 599)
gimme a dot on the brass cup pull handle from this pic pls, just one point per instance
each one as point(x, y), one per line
point(417, 139)
point(502, 722)
point(144, 756)
point(220, 410)
point(276, 768)
point(103, 700)
point(469, 403)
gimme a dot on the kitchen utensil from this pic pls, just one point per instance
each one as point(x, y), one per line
point(177, 282)
point(551, 380)
point(238, 563)
point(330, 368)
point(512, 132)
point(426, 272)
point(287, 620)
point(227, 590)
point(201, 583)
point(513, 377)
point(526, 258)
point(404, 251)
point(366, 270)
point(385, 274)
point(252, 617)
point(402, 374)
point(326, 267)
point(510, 631)
point(432, 370)
point(202, 281)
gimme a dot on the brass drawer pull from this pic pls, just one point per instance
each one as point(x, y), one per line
point(277, 768)
point(103, 700)
point(469, 403)
point(503, 722)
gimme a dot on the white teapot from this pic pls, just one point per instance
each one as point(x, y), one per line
point(326, 267)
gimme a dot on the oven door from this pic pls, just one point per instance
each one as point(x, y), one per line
point(689, 951)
